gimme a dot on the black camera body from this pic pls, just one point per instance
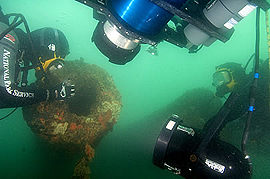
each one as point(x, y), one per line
point(176, 150)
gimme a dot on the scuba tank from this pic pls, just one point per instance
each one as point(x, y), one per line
point(9, 46)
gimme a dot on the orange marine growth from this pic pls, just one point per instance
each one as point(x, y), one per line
point(108, 115)
point(80, 126)
point(42, 120)
point(104, 119)
point(90, 152)
point(55, 138)
point(72, 126)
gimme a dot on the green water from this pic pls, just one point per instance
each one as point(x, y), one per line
point(146, 84)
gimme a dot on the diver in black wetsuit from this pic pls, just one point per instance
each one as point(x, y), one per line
point(231, 77)
point(46, 51)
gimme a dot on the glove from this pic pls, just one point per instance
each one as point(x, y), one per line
point(62, 91)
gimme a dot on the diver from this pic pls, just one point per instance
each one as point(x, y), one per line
point(45, 49)
point(232, 77)
point(195, 153)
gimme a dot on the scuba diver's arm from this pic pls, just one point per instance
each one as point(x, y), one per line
point(11, 94)
point(234, 108)
point(14, 96)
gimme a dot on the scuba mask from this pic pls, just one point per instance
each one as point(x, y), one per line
point(48, 67)
point(223, 81)
point(51, 64)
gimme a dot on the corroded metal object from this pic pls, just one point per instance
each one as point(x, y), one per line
point(80, 122)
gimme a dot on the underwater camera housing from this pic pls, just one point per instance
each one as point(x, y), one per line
point(176, 148)
point(126, 24)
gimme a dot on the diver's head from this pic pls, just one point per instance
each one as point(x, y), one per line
point(229, 77)
point(51, 47)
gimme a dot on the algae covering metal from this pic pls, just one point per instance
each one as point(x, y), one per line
point(79, 123)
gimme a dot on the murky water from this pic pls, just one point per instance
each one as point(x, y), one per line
point(147, 84)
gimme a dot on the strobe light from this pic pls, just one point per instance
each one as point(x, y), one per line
point(176, 147)
point(118, 48)
point(223, 15)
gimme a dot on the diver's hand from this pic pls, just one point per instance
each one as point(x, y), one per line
point(62, 91)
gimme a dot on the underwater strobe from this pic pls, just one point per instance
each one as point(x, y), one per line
point(126, 24)
point(176, 148)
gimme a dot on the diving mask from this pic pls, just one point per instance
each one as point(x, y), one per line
point(223, 81)
point(51, 64)
point(56, 65)
point(221, 77)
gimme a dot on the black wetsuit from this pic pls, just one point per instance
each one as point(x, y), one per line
point(260, 122)
point(11, 94)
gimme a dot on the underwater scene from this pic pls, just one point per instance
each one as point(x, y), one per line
point(154, 111)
